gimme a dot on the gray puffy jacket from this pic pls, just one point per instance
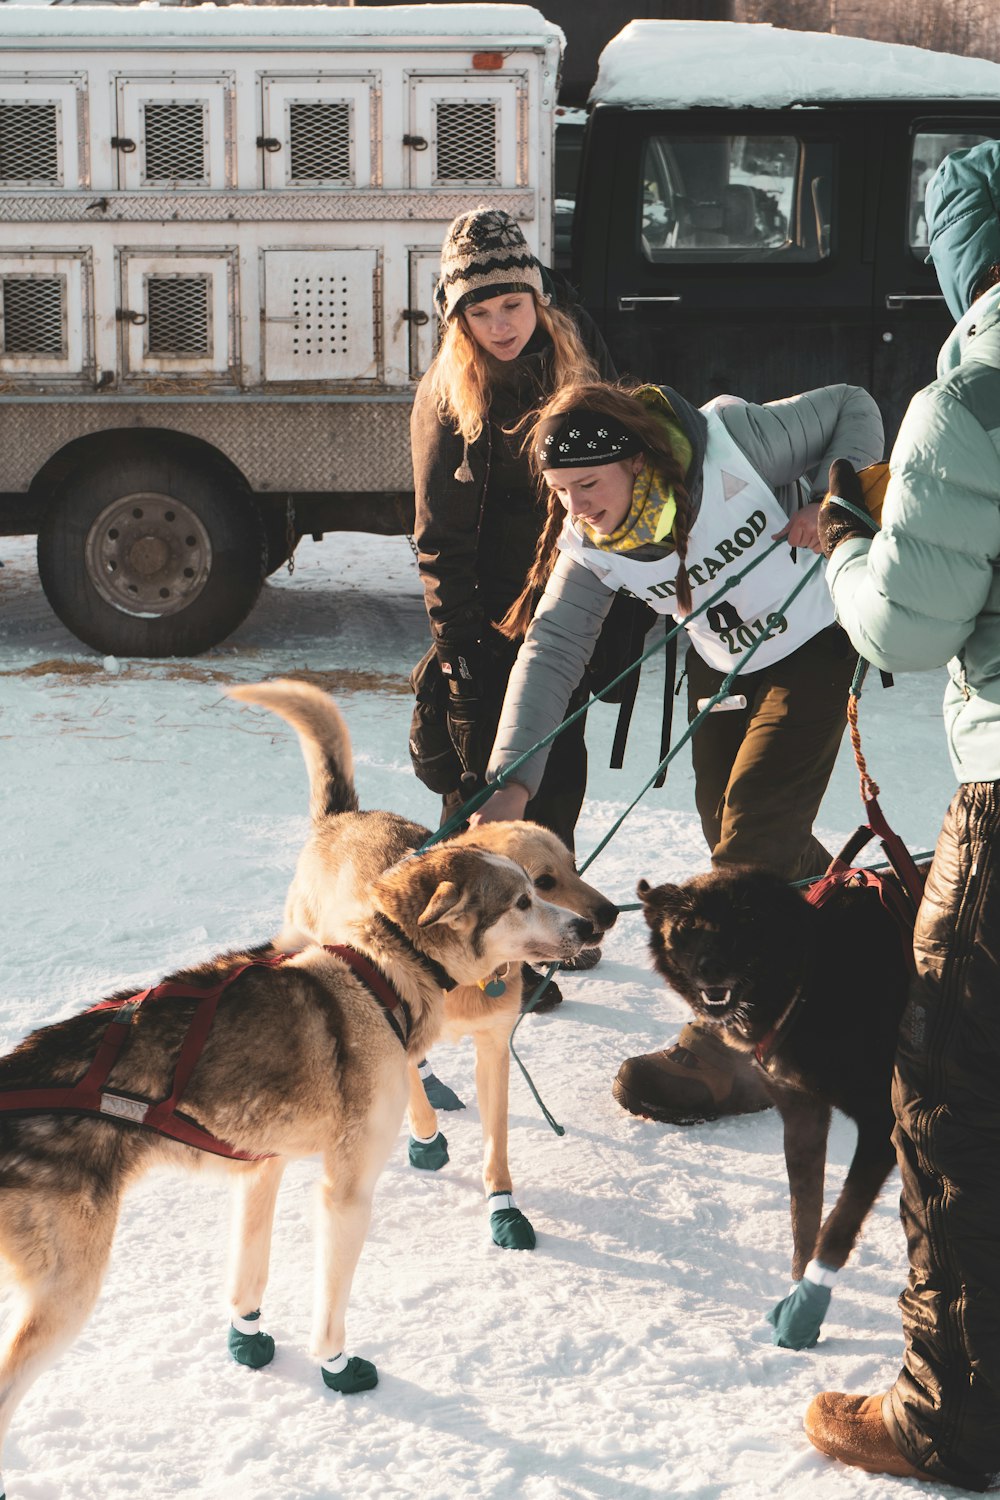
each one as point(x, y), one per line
point(790, 443)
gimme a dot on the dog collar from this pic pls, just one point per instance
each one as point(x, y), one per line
point(437, 971)
point(769, 1043)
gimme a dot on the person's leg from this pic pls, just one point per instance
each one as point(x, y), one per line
point(760, 775)
point(794, 723)
point(559, 798)
point(943, 1413)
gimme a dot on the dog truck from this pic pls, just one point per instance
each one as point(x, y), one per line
point(220, 236)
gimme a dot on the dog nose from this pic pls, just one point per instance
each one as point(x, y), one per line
point(606, 916)
point(710, 972)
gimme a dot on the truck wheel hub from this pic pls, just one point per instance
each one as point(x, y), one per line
point(148, 554)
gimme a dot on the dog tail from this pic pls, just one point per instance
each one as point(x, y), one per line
point(323, 736)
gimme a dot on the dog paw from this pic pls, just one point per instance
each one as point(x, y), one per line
point(797, 1319)
point(353, 1375)
point(511, 1230)
point(429, 1156)
point(439, 1095)
point(255, 1350)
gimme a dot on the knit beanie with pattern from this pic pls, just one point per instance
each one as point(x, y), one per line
point(484, 255)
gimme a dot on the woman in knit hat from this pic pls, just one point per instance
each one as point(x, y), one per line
point(510, 336)
point(650, 494)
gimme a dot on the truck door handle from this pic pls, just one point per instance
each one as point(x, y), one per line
point(122, 143)
point(629, 304)
point(895, 300)
point(126, 315)
point(415, 315)
point(268, 143)
point(416, 141)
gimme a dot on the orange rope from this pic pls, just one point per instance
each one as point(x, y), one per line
point(869, 788)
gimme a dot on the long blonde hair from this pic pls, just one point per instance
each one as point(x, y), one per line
point(619, 405)
point(460, 375)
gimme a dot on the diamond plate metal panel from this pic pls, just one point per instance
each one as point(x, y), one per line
point(319, 446)
point(252, 208)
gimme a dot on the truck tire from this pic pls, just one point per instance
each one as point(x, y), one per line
point(145, 554)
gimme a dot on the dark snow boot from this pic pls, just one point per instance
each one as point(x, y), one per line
point(585, 960)
point(550, 997)
point(698, 1078)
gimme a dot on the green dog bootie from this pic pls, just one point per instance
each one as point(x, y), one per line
point(439, 1095)
point(508, 1226)
point(349, 1375)
point(429, 1155)
point(798, 1318)
point(247, 1344)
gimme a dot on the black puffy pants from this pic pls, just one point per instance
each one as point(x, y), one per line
point(944, 1411)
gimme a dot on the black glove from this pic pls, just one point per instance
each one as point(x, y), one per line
point(461, 668)
point(835, 523)
point(464, 729)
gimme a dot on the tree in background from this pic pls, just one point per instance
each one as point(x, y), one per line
point(968, 27)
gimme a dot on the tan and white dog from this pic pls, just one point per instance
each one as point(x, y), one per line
point(330, 893)
point(300, 1059)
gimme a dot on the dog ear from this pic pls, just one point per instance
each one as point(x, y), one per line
point(660, 901)
point(444, 906)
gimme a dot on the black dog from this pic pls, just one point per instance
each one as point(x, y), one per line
point(814, 993)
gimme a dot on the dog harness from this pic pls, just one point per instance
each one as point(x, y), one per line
point(899, 892)
point(89, 1095)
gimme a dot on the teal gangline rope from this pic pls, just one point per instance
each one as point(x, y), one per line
point(883, 864)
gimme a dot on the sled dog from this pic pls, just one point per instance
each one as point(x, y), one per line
point(300, 1059)
point(814, 994)
point(330, 892)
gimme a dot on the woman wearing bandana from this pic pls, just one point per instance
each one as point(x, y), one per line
point(649, 494)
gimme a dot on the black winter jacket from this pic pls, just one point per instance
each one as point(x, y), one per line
point(476, 541)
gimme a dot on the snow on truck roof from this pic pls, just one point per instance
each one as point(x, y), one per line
point(684, 64)
point(233, 23)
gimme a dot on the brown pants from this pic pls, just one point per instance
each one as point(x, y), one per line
point(944, 1410)
point(760, 772)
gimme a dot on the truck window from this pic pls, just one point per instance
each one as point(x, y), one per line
point(929, 150)
point(735, 197)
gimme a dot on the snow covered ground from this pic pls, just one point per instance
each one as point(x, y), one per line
point(150, 821)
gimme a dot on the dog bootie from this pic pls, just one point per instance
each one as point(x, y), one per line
point(348, 1376)
point(247, 1344)
point(698, 1078)
point(852, 1429)
point(429, 1155)
point(439, 1095)
point(797, 1319)
point(508, 1226)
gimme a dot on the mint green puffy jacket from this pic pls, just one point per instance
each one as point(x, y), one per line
point(926, 590)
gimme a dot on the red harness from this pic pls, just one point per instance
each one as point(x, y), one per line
point(899, 892)
point(89, 1095)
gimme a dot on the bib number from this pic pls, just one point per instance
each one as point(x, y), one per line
point(741, 637)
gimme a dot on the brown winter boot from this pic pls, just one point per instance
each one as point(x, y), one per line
point(698, 1078)
point(851, 1428)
